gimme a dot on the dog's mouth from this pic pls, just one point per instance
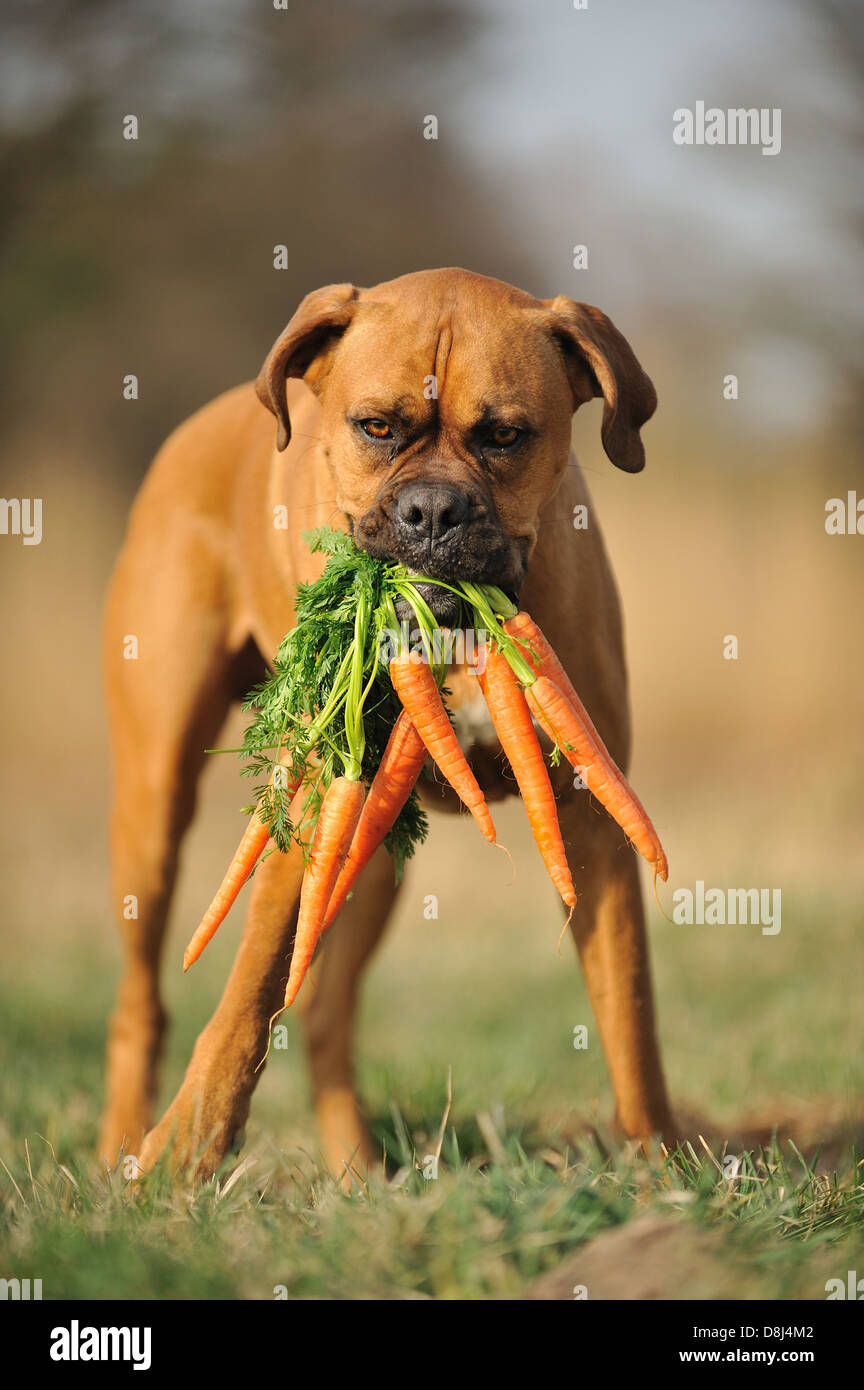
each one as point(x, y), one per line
point(476, 549)
point(445, 605)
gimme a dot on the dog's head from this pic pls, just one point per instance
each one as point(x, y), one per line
point(447, 399)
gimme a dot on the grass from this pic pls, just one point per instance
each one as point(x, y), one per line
point(527, 1176)
point(483, 1230)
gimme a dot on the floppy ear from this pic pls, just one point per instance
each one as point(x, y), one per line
point(322, 314)
point(596, 352)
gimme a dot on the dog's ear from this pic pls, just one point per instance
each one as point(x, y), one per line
point(599, 357)
point(322, 315)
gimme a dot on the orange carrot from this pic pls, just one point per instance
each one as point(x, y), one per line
point(542, 659)
point(415, 685)
point(391, 787)
point(337, 821)
point(585, 750)
point(246, 856)
point(604, 777)
point(513, 725)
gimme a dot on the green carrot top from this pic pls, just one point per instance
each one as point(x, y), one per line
point(329, 701)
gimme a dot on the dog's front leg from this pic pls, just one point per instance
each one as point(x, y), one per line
point(328, 1020)
point(209, 1111)
point(608, 925)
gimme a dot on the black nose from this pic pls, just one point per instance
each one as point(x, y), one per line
point(430, 510)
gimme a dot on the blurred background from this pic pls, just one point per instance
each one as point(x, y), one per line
point(304, 127)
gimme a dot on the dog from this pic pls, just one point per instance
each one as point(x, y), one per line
point(430, 417)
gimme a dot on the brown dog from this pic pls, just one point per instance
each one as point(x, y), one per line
point(431, 416)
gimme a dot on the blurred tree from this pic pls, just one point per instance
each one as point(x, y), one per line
point(257, 127)
point(843, 25)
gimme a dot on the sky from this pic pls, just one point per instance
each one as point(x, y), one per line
point(568, 116)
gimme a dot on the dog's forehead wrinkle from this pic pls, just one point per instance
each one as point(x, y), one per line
point(443, 347)
point(453, 328)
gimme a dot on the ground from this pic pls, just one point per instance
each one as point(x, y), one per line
point(529, 1172)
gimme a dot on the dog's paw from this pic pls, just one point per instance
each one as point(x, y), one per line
point(195, 1135)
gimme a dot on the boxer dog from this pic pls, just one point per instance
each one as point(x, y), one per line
point(431, 417)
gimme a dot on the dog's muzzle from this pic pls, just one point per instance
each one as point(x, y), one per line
point(433, 527)
point(429, 514)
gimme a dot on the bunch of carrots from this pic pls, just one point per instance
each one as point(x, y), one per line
point(347, 737)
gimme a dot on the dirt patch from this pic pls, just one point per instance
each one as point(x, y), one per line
point(653, 1258)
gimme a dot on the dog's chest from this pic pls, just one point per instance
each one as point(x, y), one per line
point(471, 718)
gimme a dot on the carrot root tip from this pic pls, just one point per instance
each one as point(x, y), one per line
point(496, 844)
point(565, 926)
point(269, 1039)
point(657, 895)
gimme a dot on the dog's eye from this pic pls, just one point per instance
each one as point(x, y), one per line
point(504, 436)
point(376, 429)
